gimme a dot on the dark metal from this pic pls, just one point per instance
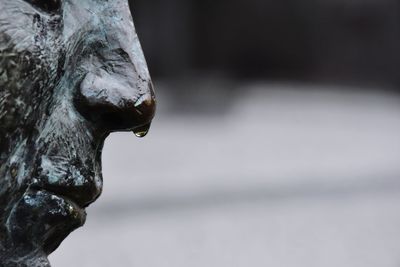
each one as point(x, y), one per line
point(71, 72)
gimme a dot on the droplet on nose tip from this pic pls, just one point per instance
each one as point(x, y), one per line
point(142, 131)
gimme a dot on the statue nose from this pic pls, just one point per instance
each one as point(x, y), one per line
point(117, 102)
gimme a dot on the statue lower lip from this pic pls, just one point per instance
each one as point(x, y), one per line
point(44, 219)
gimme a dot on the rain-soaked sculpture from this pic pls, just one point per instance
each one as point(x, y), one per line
point(71, 72)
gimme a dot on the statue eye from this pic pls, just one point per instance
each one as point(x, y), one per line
point(49, 6)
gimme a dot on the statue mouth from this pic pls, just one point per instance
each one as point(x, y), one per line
point(81, 189)
point(53, 204)
point(59, 198)
point(66, 204)
point(44, 218)
point(65, 216)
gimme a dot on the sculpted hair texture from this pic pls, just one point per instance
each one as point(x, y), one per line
point(71, 72)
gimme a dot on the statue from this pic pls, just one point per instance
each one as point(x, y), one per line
point(71, 72)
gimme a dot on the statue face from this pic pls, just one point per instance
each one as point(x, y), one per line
point(71, 72)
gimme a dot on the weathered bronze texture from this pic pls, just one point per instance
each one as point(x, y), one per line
point(71, 72)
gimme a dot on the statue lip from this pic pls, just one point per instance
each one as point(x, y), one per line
point(43, 219)
point(71, 180)
point(65, 216)
point(70, 198)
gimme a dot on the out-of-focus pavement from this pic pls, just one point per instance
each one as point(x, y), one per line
point(289, 176)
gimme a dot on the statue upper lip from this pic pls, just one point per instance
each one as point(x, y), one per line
point(83, 194)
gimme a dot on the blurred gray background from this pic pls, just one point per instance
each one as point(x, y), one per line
point(276, 143)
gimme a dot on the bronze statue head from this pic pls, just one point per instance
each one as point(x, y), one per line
point(71, 72)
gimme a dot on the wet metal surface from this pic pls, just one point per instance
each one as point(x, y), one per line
point(71, 73)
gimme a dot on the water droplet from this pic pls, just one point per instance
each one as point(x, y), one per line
point(142, 131)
